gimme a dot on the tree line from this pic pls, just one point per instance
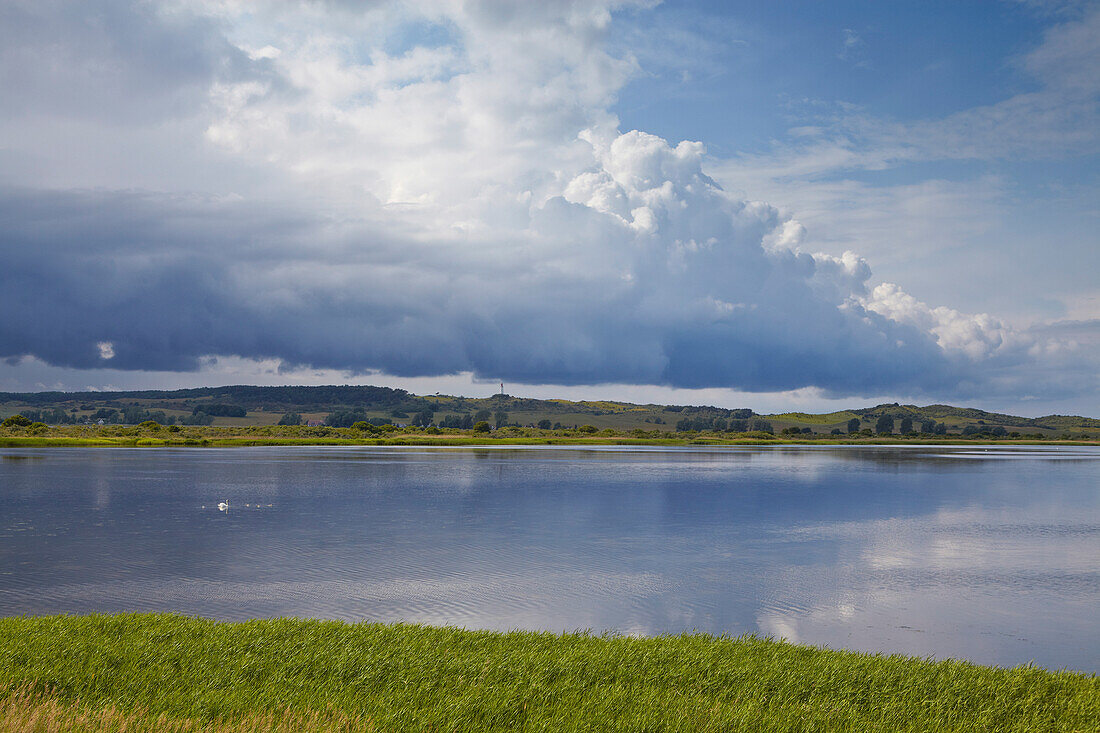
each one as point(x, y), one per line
point(722, 425)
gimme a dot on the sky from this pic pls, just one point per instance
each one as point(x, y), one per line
point(784, 206)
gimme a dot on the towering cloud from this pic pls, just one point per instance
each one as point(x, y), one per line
point(357, 186)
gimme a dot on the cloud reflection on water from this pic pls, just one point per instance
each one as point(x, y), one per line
point(876, 549)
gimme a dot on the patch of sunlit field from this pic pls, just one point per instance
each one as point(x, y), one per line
point(167, 672)
point(803, 418)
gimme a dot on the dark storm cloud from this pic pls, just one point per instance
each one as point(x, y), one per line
point(166, 280)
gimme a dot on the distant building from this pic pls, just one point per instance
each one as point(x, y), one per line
point(314, 423)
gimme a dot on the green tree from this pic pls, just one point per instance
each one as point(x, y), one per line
point(424, 418)
point(290, 418)
point(346, 418)
point(501, 418)
point(482, 426)
point(906, 425)
point(884, 425)
point(544, 424)
point(853, 426)
point(762, 425)
point(588, 429)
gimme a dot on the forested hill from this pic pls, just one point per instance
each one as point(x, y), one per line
point(946, 412)
point(340, 406)
point(249, 397)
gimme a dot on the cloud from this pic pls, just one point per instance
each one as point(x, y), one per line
point(984, 209)
point(657, 276)
point(1058, 115)
point(1068, 55)
point(976, 337)
point(130, 63)
point(462, 202)
point(849, 44)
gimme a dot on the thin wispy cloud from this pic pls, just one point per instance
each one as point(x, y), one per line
point(849, 44)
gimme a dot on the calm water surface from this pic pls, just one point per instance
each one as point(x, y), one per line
point(990, 555)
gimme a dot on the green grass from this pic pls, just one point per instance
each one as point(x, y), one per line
point(273, 435)
point(805, 418)
point(406, 677)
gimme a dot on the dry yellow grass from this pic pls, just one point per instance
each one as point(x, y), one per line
point(23, 710)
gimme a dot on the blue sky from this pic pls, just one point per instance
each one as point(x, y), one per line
point(756, 64)
point(790, 205)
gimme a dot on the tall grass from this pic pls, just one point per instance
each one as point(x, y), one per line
point(25, 710)
point(406, 677)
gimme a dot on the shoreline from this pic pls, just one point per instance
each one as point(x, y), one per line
point(415, 440)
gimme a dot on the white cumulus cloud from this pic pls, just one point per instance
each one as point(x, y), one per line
point(428, 190)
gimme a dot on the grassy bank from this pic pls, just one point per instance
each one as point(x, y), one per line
point(328, 675)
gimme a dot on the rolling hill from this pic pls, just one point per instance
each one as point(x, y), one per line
point(255, 405)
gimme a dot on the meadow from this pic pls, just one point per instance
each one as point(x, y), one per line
point(169, 672)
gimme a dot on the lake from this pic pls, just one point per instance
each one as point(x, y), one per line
point(988, 554)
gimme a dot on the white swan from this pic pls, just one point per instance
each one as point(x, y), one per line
point(223, 506)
